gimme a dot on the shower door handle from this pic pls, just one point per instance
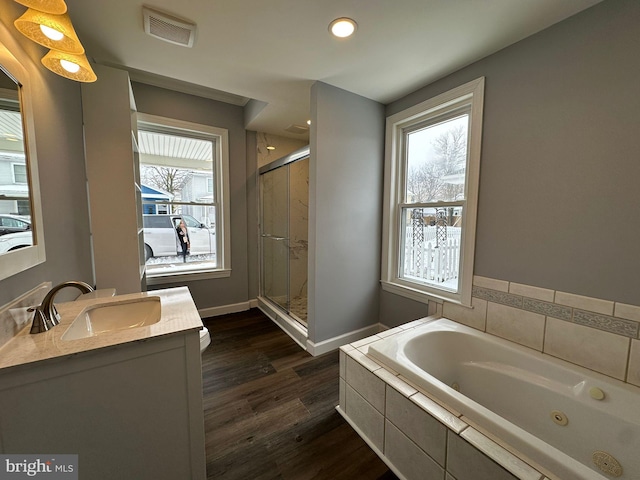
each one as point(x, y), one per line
point(266, 235)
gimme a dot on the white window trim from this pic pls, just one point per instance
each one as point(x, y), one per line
point(223, 224)
point(470, 93)
point(193, 274)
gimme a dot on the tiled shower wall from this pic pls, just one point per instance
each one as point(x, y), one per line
point(594, 333)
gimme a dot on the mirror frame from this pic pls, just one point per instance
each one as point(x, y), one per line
point(24, 258)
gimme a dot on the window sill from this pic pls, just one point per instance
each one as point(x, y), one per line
point(187, 276)
point(418, 295)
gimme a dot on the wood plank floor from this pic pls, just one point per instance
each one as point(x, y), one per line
point(270, 408)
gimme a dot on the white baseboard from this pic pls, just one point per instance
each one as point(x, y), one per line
point(296, 331)
point(225, 309)
point(336, 342)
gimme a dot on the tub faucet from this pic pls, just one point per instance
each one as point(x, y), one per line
point(46, 316)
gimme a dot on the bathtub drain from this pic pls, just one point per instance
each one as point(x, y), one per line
point(607, 463)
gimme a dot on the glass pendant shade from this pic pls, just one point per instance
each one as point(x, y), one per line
point(33, 24)
point(73, 67)
point(57, 7)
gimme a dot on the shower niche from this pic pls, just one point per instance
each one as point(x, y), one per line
point(284, 237)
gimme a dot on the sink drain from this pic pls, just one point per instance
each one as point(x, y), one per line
point(607, 463)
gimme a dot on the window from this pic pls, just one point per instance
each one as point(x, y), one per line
point(184, 177)
point(14, 223)
point(20, 173)
point(431, 190)
point(24, 207)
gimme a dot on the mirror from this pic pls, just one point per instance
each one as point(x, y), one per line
point(21, 238)
point(15, 206)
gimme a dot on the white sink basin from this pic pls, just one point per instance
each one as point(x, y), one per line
point(114, 316)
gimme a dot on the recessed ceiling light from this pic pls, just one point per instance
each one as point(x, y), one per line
point(343, 27)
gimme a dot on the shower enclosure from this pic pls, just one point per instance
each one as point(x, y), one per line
point(284, 228)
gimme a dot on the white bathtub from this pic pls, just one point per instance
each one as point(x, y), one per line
point(511, 392)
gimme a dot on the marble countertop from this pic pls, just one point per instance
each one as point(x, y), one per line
point(178, 314)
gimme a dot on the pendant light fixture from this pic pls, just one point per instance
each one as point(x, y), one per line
point(68, 65)
point(51, 31)
point(47, 23)
point(57, 7)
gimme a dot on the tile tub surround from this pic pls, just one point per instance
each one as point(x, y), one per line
point(178, 314)
point(601, 335)
point(415, 436)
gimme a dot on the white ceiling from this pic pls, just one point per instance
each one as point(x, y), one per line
point(273, 50)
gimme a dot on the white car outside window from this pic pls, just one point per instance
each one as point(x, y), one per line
point(13, 241)
point(161, 238)
point(201, 238)
point(13, 224)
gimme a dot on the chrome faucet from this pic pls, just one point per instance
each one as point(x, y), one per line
point(46, 316)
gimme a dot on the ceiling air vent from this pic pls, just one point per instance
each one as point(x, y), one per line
point(168, 28)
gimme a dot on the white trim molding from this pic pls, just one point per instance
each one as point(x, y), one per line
point(220, 175)
point(469, 98)
point(334, 343)
point(226, 309)
point(193, 274)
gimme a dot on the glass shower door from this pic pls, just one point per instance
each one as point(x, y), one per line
point(298, 238)
point(274, 188)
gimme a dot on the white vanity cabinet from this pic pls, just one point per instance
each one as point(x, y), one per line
point(129, 410)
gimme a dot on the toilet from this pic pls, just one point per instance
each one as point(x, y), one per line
point(205, 339)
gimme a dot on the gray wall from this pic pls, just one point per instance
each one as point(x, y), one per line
point(559, 194)
point(58, 127)
point(396, 310)
point(180, 106)
point(345, 211)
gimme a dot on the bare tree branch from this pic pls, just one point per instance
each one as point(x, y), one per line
point(167, 179)
point(427, 182)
